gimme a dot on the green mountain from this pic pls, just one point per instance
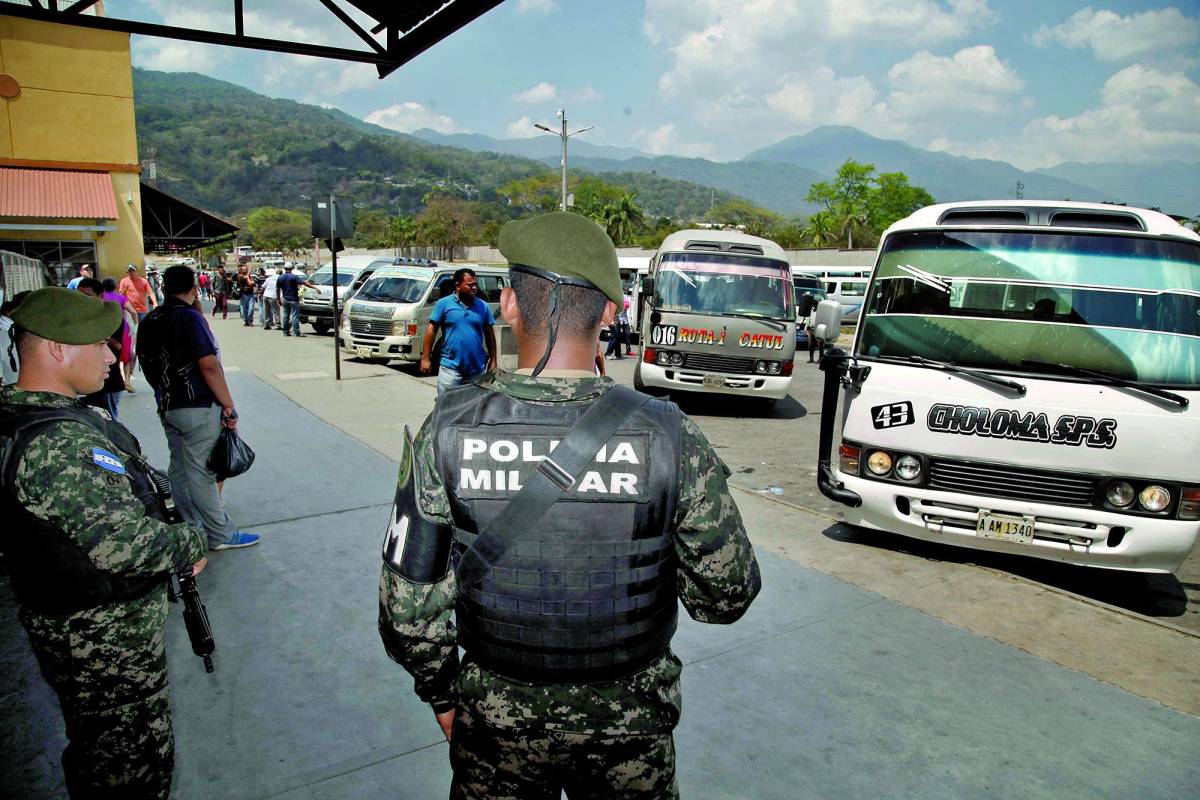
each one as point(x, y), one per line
point(226, 148)
point(946, 177)
point(540, 147)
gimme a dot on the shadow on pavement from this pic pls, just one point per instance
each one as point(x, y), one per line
point(717, 405)
point(1155, 595)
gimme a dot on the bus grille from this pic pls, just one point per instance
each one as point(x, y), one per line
point(1006, 480)
point(372, 328)
point(713, 363)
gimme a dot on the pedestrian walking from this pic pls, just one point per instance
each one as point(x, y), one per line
point(220, 289)
point(466, 325)
point(137, 291)
point(128, 356)
point(612, 500)
point(202, 280)
point(180, 359)
point(155, 280)
point(271, 311)
point(288, 288)
point(88, 551)
point(245, 289)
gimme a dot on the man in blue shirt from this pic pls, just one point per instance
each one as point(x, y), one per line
point(466, 323)
point(84, 272)
point(288, 287)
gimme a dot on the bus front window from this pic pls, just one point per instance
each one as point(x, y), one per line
point(1125, 306)
point(722, 284)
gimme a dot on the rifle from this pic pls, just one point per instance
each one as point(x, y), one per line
point(195, 615)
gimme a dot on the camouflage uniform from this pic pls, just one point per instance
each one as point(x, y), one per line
point(107, 664)
point(512, 739)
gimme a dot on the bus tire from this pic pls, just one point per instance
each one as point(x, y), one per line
point(637, 378)
point(322, 328)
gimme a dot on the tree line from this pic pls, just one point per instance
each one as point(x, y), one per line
point(857, 205)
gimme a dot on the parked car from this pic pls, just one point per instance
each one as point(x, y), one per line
point(316, 305)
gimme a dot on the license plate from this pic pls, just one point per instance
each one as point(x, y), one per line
point(1007, 527)
point(714, 380)
point(362, 352)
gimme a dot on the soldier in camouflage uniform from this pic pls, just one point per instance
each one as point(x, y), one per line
point(526, 720)
point(87, 555)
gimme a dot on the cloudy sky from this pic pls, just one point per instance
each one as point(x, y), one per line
point(1032, 82)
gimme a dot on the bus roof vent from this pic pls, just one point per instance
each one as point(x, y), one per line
point(751, 249)
point(984, 216)
point(724, 247)
point(1110, 220)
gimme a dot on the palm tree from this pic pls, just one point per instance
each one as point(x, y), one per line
point(623, 218)
point(401, 232)
point(820, 230)
point(853, 223)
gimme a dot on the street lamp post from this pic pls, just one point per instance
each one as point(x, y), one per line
point(562, 114)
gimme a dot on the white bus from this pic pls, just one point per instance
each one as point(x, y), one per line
point(717, 314)
point(1024, 379)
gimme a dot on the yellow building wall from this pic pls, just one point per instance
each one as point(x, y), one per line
point(75, 111)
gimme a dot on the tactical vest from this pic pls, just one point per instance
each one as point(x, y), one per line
point(50, 573)
point(590, 594)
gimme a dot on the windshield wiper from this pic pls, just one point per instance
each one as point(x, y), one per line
point(947, 366)
point(1111, 380)
point(770, 323)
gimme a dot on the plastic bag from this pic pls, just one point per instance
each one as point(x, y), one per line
point(230, 456)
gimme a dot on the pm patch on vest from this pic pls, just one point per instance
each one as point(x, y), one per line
point(494, 464)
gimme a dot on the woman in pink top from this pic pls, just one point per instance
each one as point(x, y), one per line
point(111, 293)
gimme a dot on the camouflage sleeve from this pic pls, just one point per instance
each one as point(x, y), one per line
point(59, 480)
point(718, 575)
point(416, 619)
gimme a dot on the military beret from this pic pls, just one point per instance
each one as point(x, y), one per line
point(66, 316)
point(566, 244)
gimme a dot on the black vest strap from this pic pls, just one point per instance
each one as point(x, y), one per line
point(553, 477)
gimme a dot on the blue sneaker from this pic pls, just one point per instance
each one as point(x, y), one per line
point(240, 539)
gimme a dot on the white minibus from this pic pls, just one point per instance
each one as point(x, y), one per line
point(1024, 379)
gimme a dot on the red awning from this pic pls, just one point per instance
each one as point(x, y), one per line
point(56, 193)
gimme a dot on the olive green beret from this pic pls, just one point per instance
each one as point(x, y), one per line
point(66, 316)
point(566, 244)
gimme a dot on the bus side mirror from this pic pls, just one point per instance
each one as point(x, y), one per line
point(647, 285)
point(805, 306)
point(828, 322)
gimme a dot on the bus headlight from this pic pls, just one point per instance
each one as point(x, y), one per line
point(676, 359)
point(404, 328)
point(1120, 493)
point(908, 468)
point(879, 462)
point(760, 367)
point(1154, 498)
point(667, 358)
point(664, 358)
point(773, 367)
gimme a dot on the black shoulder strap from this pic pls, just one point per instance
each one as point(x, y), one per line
point(550, 481)
point(20, 418)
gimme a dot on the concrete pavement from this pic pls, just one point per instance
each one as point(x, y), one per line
point(861, 669)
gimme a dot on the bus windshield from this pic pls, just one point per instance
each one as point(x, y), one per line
point(720, 284)
point(392, 289)
point(1125, 306)
point(324, 277)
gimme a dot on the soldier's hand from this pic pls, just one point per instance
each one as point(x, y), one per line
point(446, 720)
point(199, 566)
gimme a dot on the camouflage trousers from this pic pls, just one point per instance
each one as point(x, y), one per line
point(511, 764)
point(124, 752)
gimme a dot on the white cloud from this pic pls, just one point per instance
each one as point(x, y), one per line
point(1144, 115)
point(748, 71)
point(972, 80)
point(519, 129)
point(536, 6)
point(664, 140)
point(1113, 37)
point(411, 116)
point(541, 93)
point(587, 94)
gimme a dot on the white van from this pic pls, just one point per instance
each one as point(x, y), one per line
point(386, 319)
point(316, 305)
point(1024, 380)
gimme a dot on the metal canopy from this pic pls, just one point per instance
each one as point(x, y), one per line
point(408, 28)
point(170, 225)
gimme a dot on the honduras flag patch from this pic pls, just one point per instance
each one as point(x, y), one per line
point(106, 460)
